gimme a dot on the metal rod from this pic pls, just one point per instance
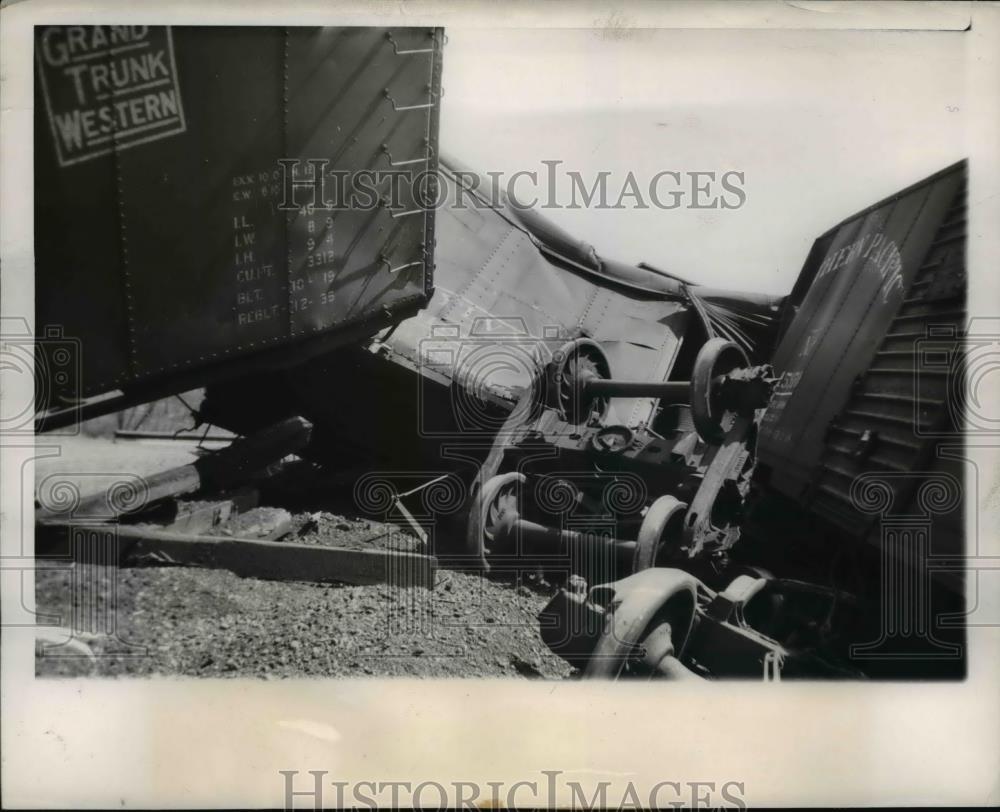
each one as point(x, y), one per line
point(421, 533)
point(672, 668)
point(183, 435)
point(541, 539)
point(602, 387)
point(422, 487)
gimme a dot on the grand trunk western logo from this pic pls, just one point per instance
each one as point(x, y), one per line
point(108, 87)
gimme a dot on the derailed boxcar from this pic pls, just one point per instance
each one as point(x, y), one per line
point(861, 473)
point(180, 232)
point(849, 560)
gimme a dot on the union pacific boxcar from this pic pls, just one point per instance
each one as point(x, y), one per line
point(860, 474)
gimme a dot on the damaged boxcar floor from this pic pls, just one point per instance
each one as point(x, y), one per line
point(182, 621)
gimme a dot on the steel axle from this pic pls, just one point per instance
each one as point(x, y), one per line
point(720, 378)
point(594, 387)
point(552, 540)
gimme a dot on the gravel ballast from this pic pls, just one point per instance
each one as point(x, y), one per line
point(201, 622)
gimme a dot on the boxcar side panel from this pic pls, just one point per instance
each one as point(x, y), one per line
point(165, 242)
point(853, 398)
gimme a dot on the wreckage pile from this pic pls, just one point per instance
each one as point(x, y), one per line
point(415, 613)
point(687, 517)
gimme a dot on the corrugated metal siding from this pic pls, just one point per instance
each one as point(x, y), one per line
point(846, 356)
point(902, 399)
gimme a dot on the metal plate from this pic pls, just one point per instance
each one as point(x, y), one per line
point(499, 301)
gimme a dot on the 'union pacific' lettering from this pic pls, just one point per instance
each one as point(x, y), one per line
point(880, 255)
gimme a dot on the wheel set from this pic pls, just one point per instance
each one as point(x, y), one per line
point(574, 425)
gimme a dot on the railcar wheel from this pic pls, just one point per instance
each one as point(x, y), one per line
point(652, 604)
point(576, 361)
point(717, 357)
point(662, 527)
point(497, 496)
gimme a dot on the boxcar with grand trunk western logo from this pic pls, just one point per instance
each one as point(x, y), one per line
point(191, 219)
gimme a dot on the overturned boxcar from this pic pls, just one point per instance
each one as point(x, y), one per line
point(179, 236)
point(850, 556)
point(861, 450)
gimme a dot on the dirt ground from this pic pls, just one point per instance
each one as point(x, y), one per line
point(198, 622)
